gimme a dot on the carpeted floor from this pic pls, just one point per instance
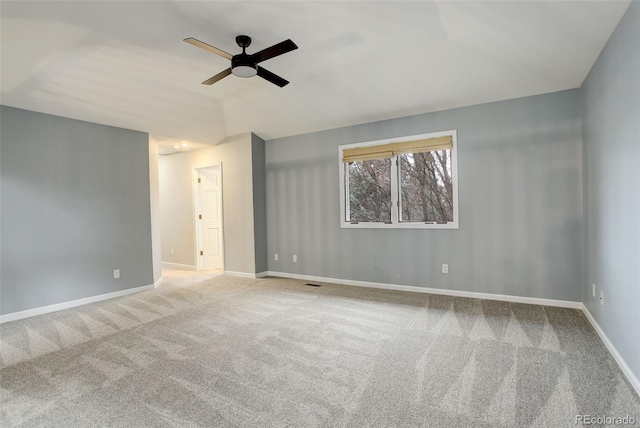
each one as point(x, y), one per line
point(222, 351)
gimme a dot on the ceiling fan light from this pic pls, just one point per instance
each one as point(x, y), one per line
point(244, 71)
point(243, 66)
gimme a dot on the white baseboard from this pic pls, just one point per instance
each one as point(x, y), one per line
point(158, 282)
point(456, 293)
point(633, 380)
point(246, 275)
point(178, 266)
point(73, 303)
point(239, 274)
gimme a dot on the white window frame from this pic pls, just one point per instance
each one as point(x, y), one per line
point(395, 223)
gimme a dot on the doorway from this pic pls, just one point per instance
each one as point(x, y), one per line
point(210, 237)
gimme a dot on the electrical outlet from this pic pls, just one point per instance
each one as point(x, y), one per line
point(445, 268)
point(275, 256)
point(601, 298)
point(295, 258)
point(116, 273)
point(173, 251)
point(593, 290)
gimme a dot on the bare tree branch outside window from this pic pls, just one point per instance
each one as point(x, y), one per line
point(370, 190)
point(426, 187)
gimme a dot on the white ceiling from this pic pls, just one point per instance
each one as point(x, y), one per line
point(125, 64)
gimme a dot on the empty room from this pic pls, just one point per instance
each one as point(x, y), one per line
point(319, 214)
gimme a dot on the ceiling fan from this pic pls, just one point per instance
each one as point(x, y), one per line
point(245, 65)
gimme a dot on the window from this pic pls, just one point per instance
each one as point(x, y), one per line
point(407, 182)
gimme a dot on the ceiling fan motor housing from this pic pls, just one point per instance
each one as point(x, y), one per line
point(243, 66)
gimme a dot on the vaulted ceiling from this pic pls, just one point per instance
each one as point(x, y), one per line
point(125, 64)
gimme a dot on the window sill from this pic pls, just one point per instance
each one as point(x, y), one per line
point(453, 225)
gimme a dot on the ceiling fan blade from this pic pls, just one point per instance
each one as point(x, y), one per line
point(217, 77)
point(275, 50)
point(273, 78)
point(203, 45)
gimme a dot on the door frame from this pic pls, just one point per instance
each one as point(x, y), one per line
point(197, 226)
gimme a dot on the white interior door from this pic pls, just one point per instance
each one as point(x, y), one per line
point(211, 221)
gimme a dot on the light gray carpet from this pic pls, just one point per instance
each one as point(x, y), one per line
point(223, 351)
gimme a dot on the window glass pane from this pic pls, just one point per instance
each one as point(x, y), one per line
point(370, 190)
point(426, 190)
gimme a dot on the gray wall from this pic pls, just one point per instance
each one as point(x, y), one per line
point(75, 206)
point(177, 203)
point(520, 198)
point(259, 202)
point(611, 134)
